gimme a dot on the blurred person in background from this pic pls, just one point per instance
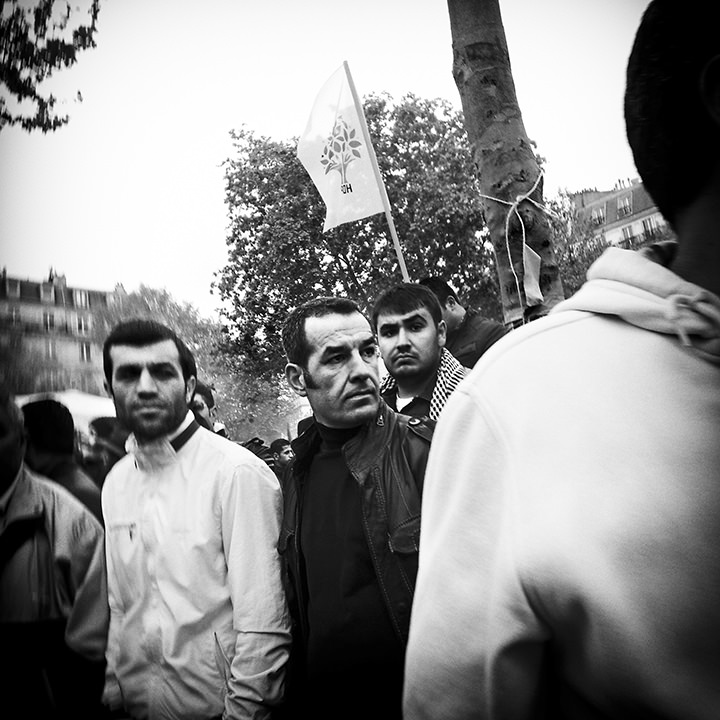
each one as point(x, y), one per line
point(107, 446)
point(469, 334)
point(53, 590)
point(51, 451)
point(203, 406)
point(282, 455)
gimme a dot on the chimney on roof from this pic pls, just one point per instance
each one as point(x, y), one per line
point(57, 280)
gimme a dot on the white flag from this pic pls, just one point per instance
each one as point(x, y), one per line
point(336, 151)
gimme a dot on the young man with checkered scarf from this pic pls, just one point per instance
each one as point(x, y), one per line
point(411, 336)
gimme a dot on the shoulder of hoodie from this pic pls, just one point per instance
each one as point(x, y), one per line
point(552, 330)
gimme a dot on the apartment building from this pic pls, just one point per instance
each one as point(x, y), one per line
point(622, 215)
point(46, 334)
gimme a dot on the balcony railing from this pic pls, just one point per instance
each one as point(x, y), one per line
point(15, 324)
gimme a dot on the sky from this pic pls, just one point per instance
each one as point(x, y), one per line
point(131, 191)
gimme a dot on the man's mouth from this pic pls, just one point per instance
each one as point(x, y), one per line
point(148, 409)
point(368, 392)
point(404, 358)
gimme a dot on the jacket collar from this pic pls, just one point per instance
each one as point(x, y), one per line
point(359, 452)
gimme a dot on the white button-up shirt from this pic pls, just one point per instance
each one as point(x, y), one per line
point(199, 623)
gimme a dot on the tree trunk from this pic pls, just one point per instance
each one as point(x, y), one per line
point(506, 164)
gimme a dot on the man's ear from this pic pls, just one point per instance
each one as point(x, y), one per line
point(295, 379)
point(442, 333)
point(190, 388)
point(710, 87)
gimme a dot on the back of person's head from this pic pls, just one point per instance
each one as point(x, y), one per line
point(109, 434)
point(674, 139)
point(206, 393)
point(50, 426)
point(140, 332)
point(294, 337)
point(404, 298)
point(441, 289)
point(277, 446)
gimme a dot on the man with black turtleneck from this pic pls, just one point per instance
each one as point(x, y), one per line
point(351, 520)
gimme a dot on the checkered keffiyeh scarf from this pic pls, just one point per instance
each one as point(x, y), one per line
point(449, 374)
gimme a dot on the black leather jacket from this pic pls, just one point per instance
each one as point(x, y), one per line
point(387, 458)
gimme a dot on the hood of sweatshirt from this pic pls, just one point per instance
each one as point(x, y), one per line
point(635, 288)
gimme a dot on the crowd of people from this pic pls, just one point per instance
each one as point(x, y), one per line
point(507, 524)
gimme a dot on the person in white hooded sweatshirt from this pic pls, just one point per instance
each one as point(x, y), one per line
point(569, 559)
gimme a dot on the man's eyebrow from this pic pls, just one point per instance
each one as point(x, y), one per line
point(333, 349)
point(386, 325)
point(414, 317)
point(151, 366)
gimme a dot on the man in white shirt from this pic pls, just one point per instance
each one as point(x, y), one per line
point(199, 625)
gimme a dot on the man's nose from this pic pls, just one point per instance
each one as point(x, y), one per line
point(403, 337)
point(359, 367)
point(146, 383)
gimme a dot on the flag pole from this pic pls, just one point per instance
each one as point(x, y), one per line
point(378, 177)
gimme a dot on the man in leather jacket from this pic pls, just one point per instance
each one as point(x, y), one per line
point(351, 520)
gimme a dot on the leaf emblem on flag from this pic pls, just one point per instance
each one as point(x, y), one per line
point(341, 149)
point(336, 140)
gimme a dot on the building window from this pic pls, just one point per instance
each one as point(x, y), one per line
point(624, 206)
point(649, 226)
point(627, 233)
point(85, 352)
point(13, 288)
point(48, 321)
point(598, 216)
point(81, 298)
point(83, 325)
point(47, 293)
point(50, 349)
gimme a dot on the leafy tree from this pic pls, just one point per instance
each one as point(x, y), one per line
point(575, 241)
point(35, 40)
point(506, 163)
point(246, 406)
point(279, 257)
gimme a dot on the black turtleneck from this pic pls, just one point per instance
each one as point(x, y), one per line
point(354, 656)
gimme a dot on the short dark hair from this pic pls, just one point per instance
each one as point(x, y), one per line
point(294, 337)
point(405, 298)
point(277, 446)
point(204, 391)
point(139, 332)
point(673, 138)
point(441, 289)
point(50, 426)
